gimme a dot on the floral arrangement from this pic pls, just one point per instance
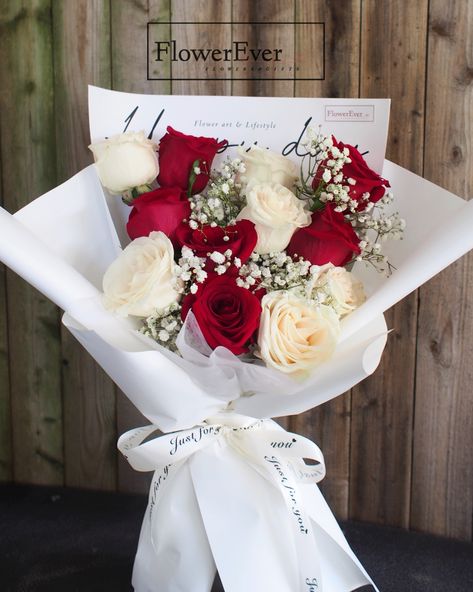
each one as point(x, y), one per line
point(259, 250)
point(237, 278)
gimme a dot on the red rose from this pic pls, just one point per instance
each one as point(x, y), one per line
point(177, 154)
point(242, 238)
point(367, 181)
point(162, 209)
point(328, 239)
point(227, 314)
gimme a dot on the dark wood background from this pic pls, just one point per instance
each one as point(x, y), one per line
point(399, 446)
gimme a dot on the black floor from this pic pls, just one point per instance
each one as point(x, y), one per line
point(62, 540)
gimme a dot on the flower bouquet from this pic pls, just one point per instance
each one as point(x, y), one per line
point(221, 284)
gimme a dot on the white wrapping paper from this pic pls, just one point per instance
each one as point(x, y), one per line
point(219, 505)
point(68, 266)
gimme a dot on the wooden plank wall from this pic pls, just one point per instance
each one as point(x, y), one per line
point(398, 447)
point(394, 68)
point(442, 484)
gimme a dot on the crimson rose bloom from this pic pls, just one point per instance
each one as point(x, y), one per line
point(328, 239)
point(177, 154)
point(162, 209)
point(242, 238)
point(367, 181)
point(227, 314)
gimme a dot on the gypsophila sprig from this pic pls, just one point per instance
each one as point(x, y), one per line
point(333, 186)
point(190, 271)
point(222, 202)
point(223, 261)
point(374, 227)
point(324, 181)
point(274, 271)
point(164, 326)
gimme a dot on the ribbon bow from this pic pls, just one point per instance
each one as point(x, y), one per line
point(275, 454)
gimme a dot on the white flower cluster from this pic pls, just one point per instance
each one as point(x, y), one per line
point(339, 194)
point(335, 187)
point(164, 326)
point(333, 168)
point(375, 227)
point(371, 225)
point(223, 261)
point(222, 202)
point(274, 271)
point(316, 285)
point(317, 144)
point(190, 271)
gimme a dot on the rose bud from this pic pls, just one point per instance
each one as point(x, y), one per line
point(162, 209)
point(328, 239)
point(178, 153)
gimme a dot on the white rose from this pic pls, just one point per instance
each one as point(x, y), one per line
point(295, 336)
point(264, 166)
point(343, 290)
point(276, 213)
point(126, 161)
point(141, 280)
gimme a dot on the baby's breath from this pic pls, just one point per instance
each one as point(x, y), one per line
point(274, 271)
point(222, 202)
point(189, 271)
point(333, 186)
point(374, 227)
point(164, 326)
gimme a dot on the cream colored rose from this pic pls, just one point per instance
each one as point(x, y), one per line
point(264, 166)
point(276, 213)
point(343, 291)
point(125, 161)
point(295, 336)
point(141, 280)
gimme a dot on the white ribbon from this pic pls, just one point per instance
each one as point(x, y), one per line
point(276, 455)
